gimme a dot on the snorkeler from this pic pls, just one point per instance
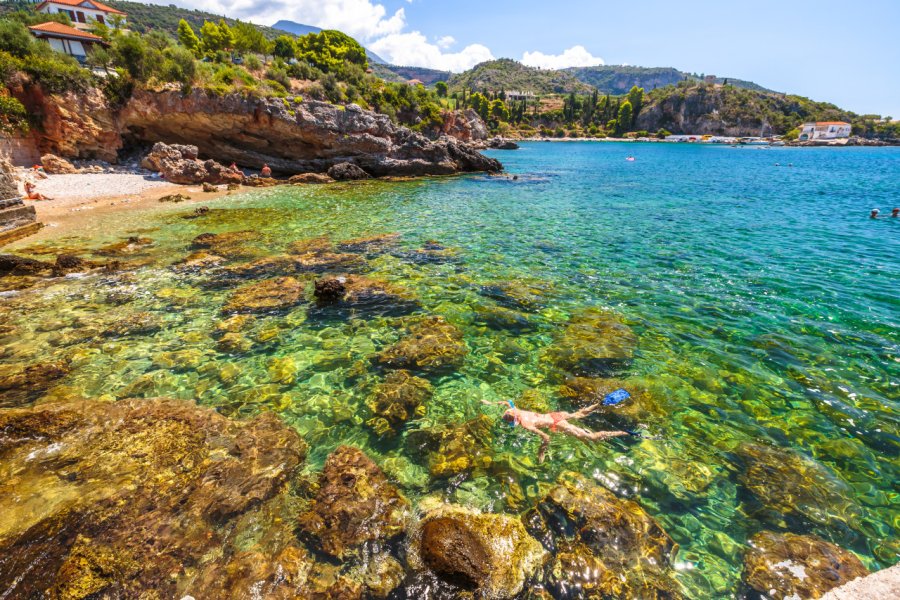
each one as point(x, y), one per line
point(558, 421)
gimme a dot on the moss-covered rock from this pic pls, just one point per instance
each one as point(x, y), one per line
point(453, 449)
point(595, 343)
point(785, 565)
point(355, 504)
point(400, 397)
point(491, 554)
point(372, 245)
point(89, 569)
point(23, 384)
point(359, 294)
point(126, 247)
point(269, 295)
point(232, 244)
point(432, 345)
point(139, 323)
point(529, 296)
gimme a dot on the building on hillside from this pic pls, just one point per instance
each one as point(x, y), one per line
point(83, 13)
point(415, 82)
point(67, 40)
point(517, 96)
point(824, 130)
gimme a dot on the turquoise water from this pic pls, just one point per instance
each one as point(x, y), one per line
point(764, 301)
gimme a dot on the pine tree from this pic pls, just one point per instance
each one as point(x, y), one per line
point(187, 37)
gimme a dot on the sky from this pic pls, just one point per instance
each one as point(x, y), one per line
point(837, 51)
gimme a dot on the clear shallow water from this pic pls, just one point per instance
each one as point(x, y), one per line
point(764, 300)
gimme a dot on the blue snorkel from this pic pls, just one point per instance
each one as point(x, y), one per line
point(511, 405)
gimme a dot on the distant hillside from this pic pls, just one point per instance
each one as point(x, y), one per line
point(299, 29)
point(400, 74)
point(148, 17)
point(618, 79)
point(507, 74)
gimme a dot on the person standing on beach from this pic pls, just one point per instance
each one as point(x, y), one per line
point(266, 171)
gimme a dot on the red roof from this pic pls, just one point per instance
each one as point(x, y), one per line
point(76, 3)
point(831, 123)
point(52, 27)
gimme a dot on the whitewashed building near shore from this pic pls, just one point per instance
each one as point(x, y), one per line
point(83, 13)
point(824, 130)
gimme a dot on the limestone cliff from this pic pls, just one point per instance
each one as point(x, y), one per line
point(710, 110)
point(291, 136)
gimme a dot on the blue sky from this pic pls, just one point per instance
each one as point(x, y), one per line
point(838, 51)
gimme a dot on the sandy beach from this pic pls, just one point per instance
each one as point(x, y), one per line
point(80, 196)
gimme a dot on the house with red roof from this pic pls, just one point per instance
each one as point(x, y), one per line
point(67, 40)
point(83, 13)
point(824, 130)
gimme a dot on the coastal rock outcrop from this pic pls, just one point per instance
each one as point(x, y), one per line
point(490, 553)
point(56, 165)
point(180, 164)
point(797, 566)
point(346, 171)
point(464, 125)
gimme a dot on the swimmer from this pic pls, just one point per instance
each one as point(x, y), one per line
point(874, 213)
point(895, 213)
point(554, 421)
point(630, 159)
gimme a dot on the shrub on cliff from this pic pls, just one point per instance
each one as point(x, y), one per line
point(13, 116)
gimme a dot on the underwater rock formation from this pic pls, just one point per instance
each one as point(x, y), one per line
point(604, 546)
point(400, 397)
point(370, 245)
point(786, 565)
point(10, 264)
point(490, 554)
point(364, 294)
point(140, 323)
point(432, 345)
point(355, 504)
point(269, 295)
point(456, 448)
point(789, 485)
point(20, 385)
point(118, 498)
point(528, 296)
point(594, 344)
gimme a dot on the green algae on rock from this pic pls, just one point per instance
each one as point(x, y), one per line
point(595, 343)
point(786, 565)
point(270, 295)
point(355, 504)
point(491, 554)
point(27, 383)
point(400, 397)
point(454, 448)
point(432, 345)
point(605, 546)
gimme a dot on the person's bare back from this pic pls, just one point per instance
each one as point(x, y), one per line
point(554, 421)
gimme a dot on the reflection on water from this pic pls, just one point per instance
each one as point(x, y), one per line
point(751, 311)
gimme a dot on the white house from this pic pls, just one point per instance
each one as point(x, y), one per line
point(824, 130)
point(66, 40)
point(83, 13)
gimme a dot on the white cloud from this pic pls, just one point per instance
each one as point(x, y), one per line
point(446, 41)
point(362, 19)
point(414, 49)
point(576, 56)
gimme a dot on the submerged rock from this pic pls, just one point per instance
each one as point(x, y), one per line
point(358, 293)
point(10, 264)
point(140, 323)
point(355, 504)
point(785, 565)
point(789, 485)
point(232, 244)
point(270, 295)
point(604, 546)
point(375, 244)
point(117, 498)
point(126, 247)
point(21, 385)
point(432, 345)
point(199, 261)
point(400, 397)
point(488, 553)
point(454, 449)
point(594, 344)
point(312, 245)
point(518, 295)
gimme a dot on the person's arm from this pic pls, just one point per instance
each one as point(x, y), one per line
point(499, 402)
point(545, 440)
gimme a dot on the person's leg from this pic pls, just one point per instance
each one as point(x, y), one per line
point(586, 434)
point(583, 412)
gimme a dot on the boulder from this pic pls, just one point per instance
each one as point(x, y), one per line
point(269, 295)
point(363, 294)
point(346, 171)
point(174, 198)
point(355, 504)
point(9, 188)
point(432, 345)
point(499, 143)
point(308, 178)
point(595, 343)
point(330, 290)
point(10, 264)
point(140, 489)
point(400, 397)
point(57, 166)
point(179, 164)
point(604, 546)
point(209, 188)
point(490, 554)
point(464, 125)
point(785, 565)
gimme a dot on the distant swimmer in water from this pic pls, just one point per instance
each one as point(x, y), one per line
point(895, 213)
point(559, 421)
point(630, 159)
point(874, 213)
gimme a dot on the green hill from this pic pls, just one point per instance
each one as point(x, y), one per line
point(148, 17)
point(507, 74)
point(618, 79)
point(397, 73)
